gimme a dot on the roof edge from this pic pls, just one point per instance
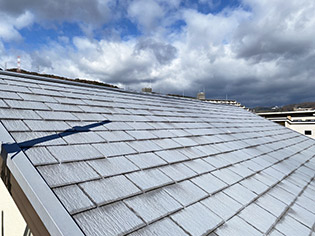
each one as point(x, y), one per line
point(68, 82)
point(284, 112)
point(59, 81)
point(49, 209)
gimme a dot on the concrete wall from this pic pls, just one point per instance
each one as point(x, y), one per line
point(14, 224)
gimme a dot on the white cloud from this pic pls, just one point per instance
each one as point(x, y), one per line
point(63, 39)
point(146, 13)
point(89, 15)
point(277, 29)
point(24, 20)
point(205, 30)
point(256, 54)
point(10, 26)
point(210, 3)
point(8, 32)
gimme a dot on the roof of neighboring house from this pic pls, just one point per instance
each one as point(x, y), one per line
point(286, 113)
point(101, 161)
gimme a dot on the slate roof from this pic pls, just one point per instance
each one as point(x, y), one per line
point(141, 164)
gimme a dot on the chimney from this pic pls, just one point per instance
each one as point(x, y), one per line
point(201, 96)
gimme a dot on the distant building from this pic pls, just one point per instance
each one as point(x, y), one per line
point(228, 102)
point(147, 90)
point(201, 96)
point(300, 120)
point(303, 109)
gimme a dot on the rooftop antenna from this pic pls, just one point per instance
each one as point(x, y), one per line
point(18, 64)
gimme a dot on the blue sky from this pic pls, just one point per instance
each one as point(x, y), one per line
point(258, 52)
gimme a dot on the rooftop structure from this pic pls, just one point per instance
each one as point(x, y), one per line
point(201, 96)
point(302, 120)
point(82, 159)
point(147, 90)
point(226, 101)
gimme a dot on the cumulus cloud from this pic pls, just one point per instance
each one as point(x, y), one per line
point(210, 3)
point(260, 53)
point(40, 61)
point(146, 13)
point(96, 11)
point(164, 53)
point(10, 26)
point(112, 62)
point(90, 15)
point(204, 30)
point(276, 29)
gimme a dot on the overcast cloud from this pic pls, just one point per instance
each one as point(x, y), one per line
point(259, 52)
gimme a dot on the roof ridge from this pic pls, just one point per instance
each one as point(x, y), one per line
point(69, 82)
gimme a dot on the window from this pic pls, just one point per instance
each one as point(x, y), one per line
point(308, 132)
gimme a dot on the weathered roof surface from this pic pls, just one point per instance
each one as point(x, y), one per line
point(130, 163)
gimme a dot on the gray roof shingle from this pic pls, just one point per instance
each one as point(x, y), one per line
point(131, 163)
point(114, 219)
point(197, 219)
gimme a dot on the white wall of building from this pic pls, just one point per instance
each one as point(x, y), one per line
point(14, 224)
point(302, 127)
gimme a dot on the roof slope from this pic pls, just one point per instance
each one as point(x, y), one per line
point(127, 163)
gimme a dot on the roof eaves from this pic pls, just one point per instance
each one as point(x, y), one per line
point(49, 209)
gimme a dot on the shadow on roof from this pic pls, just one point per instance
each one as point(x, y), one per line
point(7, 148)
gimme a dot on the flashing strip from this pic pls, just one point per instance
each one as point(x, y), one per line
point(49, 209)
